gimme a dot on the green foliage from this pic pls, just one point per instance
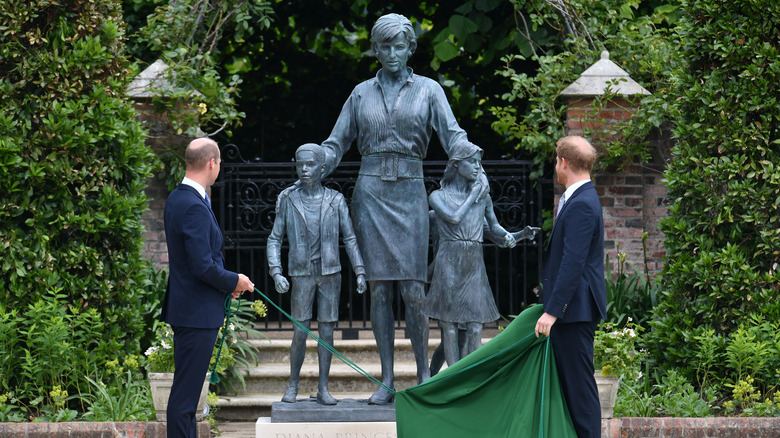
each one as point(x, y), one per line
point(638, 38)
point(747, 401)
point(211, 401)
point(630, 296)
point(673, 396)
point(538, 127)
point(127, 399)
point(73, 167)
point(187, 35)
point(723, 225)
point(615, 350)
point(237, 354)
point(159, 356)
point(10, 411)
point(732, 370)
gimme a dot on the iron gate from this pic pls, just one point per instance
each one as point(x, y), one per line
point(244, 199)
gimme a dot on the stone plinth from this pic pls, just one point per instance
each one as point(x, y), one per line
point(347, 410)
point(265, 428)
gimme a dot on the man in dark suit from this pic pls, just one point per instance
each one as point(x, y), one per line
point(197, 283)
point(574, 290)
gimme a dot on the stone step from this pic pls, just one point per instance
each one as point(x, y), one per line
point(267, 382)
point(358, 350)
point(273, 378)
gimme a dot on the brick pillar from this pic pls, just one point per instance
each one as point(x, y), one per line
point(633, 198)
point(161, 138)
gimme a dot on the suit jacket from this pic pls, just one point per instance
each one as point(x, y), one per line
point(574, 289)
point(290, 216)
point(197, 280)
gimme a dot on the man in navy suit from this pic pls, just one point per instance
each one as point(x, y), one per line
point(197, 283)
point(574, 289)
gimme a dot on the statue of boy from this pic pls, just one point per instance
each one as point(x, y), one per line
point(311, 215)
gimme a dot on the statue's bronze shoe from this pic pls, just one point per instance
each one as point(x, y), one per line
point(381, 397)
point(291, 394)
point(324, 398)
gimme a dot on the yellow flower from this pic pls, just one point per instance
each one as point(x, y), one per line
point(260, 308)
point(202, 108)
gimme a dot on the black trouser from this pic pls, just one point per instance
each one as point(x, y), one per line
point(192, 350)
point(573, 348)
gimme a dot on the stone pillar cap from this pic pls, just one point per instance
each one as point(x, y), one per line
point(595, 80)
point(151, 81)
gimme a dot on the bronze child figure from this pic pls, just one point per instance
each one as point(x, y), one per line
point(460, 293)
point(311, 216)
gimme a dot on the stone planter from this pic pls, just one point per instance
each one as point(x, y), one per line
point(161, 389)
point(608, 388)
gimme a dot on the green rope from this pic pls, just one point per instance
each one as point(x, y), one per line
point(228, 312)
point(328, 346)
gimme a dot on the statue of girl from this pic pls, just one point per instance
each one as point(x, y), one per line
point(460, 293)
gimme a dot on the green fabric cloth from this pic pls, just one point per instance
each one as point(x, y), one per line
point(507, 388)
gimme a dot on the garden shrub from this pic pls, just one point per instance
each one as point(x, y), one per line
point(73, 169)
point(723, 183)
point(639, 39)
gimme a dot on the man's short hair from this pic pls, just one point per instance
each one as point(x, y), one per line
point(578, 151)
point(319, 152)
point(199, 152)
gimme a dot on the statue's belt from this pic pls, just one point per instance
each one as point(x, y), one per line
point(391, 167)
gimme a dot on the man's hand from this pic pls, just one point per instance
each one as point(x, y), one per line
point(244, 284)
point(281, 283)
point(361, 279)
point(544, 324)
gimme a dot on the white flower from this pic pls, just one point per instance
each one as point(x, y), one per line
point(150, 351)
point(232, 327)
point(631, 333)
point(165, 345)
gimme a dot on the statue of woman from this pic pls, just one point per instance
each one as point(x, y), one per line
point(391, 118)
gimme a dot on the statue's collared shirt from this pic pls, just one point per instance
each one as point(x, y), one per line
point(389, 202)
point(404, 128)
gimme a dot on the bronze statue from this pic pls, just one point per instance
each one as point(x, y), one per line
point(311, 216)
point(460, 293)
point(391, 118)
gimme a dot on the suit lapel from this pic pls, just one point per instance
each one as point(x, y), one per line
point(211, 211)
point(576, 193)
point(202, 199)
